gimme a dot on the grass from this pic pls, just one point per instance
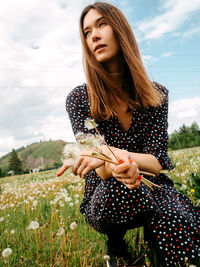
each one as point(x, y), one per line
point(54, 203)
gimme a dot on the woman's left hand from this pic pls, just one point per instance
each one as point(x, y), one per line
point(127, 171)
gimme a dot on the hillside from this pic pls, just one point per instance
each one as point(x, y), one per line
point(38, 155)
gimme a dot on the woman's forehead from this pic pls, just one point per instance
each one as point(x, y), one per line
point(91, 17)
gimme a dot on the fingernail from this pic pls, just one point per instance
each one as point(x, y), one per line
point(139, 177)
point(58, 174)
point(131, 160)
point(120, 161)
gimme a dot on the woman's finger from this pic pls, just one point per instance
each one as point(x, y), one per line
point(64, 167)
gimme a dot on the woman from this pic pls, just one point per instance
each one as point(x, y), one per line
point(131, 113)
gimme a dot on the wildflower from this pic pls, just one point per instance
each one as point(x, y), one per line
point(1, 219)
point(71, 204)
point(33, 225)
point(183, 187)
point(12, 231)
point(72, 152)
point(90, 124)
point(106, 257)
point(192, 190)
point(6, 252)
point(60, 231)
point(73, 226)
point(35, 203)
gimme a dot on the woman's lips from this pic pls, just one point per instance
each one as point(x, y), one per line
point(99, 47)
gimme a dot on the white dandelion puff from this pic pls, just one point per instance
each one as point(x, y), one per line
point(90, 124)
point(106, 257)
point(1, 219)
point(71, 152)
point(12, 231)
point(73, 226)
point(60, 231)
point(6, 252)
point(35, 203)
point(33, 225)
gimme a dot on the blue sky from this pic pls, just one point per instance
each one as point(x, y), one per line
point(174, 55)
point(41, 61)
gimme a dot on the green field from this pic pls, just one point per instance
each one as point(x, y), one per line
point(62, 238)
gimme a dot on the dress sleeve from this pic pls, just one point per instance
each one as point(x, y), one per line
point(156, 136)
point(77, 109)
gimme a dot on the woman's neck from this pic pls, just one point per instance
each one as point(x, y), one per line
point(116, 71)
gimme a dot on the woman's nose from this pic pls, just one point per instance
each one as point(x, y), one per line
point(95, 35)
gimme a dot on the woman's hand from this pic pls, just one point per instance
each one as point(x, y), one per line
point(82, 166)
point(127, 171)
point(86, 164)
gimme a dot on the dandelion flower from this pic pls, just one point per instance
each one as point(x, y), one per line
point(72, 152)
point(60, 231)
point(71, 204)
point(33, 225)
point(73, 226)
point(106, 257)
point(12, 231)
point(192, 190)
point(90, 124)
point(1, 219)
point(35, 203)
point(6, 252)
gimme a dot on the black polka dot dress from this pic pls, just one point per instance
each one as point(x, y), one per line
point(171, 221)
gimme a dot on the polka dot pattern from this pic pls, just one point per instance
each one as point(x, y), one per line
point(171, 220)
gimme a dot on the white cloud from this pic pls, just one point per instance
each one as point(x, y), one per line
point(172, 15)
point(41, 61)
point(184, 111)
point(167, 54)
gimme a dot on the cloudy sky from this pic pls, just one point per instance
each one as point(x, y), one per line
point(41, 61)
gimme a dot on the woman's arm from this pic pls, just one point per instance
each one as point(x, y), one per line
point(145, 162)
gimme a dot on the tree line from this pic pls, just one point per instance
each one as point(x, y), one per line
point(185, 137)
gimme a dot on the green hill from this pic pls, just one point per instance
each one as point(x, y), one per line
point(41, 155)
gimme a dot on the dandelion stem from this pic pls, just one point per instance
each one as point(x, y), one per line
point(107, 145)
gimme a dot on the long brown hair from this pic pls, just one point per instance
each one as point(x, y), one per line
point(140, 91)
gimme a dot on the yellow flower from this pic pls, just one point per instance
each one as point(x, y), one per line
point(192, 190)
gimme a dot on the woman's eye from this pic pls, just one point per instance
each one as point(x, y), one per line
point(102, 24)
point(86, 34)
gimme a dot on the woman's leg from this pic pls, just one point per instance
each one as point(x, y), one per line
point(115, 244)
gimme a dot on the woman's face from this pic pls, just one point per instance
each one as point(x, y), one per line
point(100, 37)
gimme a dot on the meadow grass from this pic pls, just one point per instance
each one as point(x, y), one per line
point(62, 237)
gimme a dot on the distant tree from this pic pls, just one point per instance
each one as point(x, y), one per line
point(184, 129)
point(15, 163)
point(195, 128)
point(1, 172)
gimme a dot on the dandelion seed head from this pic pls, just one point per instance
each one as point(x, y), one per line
point(72, 152)
point(1, 219)
point(35, 203)
point(73, 226)
point(33, 225)
point(12, 231)
point(106, 257)
point(60, 231)
point(6, 252)
point(90, 124)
